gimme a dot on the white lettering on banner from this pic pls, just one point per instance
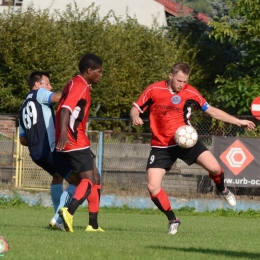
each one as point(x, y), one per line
point(242, 181)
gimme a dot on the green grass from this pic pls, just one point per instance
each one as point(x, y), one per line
point(131, 234)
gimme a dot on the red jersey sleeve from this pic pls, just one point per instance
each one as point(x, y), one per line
point(199, 101)
point(146, 98)
point(73, 93)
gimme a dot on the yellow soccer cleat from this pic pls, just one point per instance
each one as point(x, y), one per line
point(67, 219)
point(91, 229)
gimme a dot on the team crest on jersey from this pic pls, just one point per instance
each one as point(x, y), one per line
point(176, 100)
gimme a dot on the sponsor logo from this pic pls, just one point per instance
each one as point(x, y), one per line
point(243, 181)
point(176, 100)
point(165, 107)
point(236, 157)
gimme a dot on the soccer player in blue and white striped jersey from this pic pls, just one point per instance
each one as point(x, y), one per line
point(37, 131)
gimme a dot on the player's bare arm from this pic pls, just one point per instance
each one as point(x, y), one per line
point(64, 122)
point(23, 141)
point(134, 114)
point(55, 98)
point(225, 117)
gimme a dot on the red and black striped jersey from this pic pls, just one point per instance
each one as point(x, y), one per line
point(168, 110)
point(77, 99)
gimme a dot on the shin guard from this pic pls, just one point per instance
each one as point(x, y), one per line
point(218, 180)
point(162, 202)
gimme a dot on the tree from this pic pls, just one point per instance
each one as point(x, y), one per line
point(239, 85)
point(201, 6)
point(29, 41)
point(212, 55)
point(134, 55)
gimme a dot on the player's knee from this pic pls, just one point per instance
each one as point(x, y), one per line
point(153, 189)
point(73, 182)
point(57, 179)
point(215, 169)
point(97, 178)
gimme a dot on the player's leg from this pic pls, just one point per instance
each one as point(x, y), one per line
point(94, 202)
point(158, 161)
point(157, 193)
point(56, 190)
point(82, 164)
point(65, 199)
point(209, 163)
point(62, 165)
point(56, 187)
point(81, 193)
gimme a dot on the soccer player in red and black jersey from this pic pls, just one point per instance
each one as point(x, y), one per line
point(71, 139)
point(169, 103)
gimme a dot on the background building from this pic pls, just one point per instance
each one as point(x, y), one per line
point(145, 11)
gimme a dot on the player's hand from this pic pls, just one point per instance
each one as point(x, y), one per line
point(62, 142)
point(248, 124)
point(137, 120)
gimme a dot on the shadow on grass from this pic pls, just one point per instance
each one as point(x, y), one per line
point(209, 251)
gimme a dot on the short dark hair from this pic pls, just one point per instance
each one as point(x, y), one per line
point(36, 76)
point(180, 66)
point(89, 61)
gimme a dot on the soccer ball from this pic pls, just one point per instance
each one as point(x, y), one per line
point(186, 136)
point(4, 247)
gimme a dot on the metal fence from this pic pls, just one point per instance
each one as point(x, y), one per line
point(121, 159)
point(7, 160)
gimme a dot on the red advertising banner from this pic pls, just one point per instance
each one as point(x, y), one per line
point(239, 159)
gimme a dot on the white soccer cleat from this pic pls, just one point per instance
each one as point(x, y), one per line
point(173, 226)
point(55, 225)
point(229, 197)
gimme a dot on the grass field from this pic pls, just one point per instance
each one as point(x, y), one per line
point(131, 234)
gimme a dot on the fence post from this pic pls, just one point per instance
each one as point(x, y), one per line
point(17, 160)
point(100, 152)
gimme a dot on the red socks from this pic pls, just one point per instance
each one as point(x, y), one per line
point(94, 199)
point(217, 178)
point(161, 200)
point(81, 190)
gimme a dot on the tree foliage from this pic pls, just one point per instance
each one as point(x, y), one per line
point(201, 6)
point(134, 55)
point(212, 55)
point(30, 41)
point(219, 9)
point(239, 85)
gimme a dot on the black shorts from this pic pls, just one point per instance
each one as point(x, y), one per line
point(81, 160)
point(164, 158)
point(55, 163)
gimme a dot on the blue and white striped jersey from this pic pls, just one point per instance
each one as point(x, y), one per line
point(37, 123)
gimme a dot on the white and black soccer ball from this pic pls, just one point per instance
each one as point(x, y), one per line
point(186, 136)
point(4, 247)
